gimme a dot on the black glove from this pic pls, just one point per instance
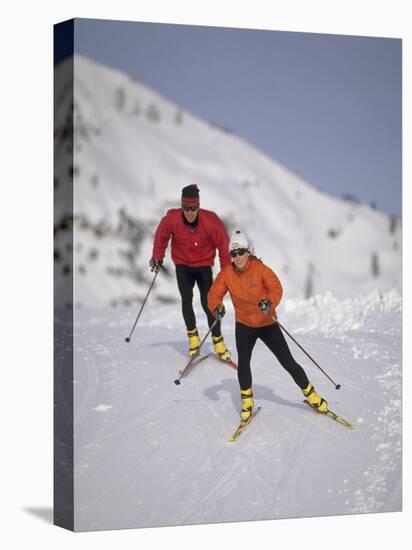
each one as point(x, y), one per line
point(220, 312)
point(155, 265)
point(265, 304)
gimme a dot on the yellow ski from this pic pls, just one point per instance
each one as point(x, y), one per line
point(332, 415)
point(243, 425)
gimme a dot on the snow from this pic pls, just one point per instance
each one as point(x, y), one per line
point(331, 316)
point(150, 453)
point(102, 408)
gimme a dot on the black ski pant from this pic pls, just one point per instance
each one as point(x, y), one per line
point(186, 278)
point(272, 336)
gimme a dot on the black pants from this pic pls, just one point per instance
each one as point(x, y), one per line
point(186, 278)
point(273, 337)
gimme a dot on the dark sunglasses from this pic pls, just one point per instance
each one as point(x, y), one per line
point(190, 208)
point(238, 252)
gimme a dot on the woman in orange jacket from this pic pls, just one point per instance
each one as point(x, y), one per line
point(255, 291)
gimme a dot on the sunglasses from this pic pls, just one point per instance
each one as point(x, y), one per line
point(238, 252)
point(190, 208)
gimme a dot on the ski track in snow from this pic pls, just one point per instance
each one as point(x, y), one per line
point(149, 453)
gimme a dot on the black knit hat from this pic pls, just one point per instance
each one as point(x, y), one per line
point(190, 195)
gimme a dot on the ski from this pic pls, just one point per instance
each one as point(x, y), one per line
point(227, 362)
point(189, 367)
point(243, 425)
point(198, 360)
point(332, 415)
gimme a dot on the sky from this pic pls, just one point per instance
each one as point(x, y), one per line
point(327, 107)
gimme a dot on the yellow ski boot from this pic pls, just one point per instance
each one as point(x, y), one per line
point(220, 348)
point(247, 404)
point(194, 341)
point(315, 399)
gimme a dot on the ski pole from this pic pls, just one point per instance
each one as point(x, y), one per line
point(337, 386)
point(141, 309)
point(196, 355)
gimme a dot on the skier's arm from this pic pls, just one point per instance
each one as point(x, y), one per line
point(161, 239)
point(217, 292)
point(221, 242)
point(274, 288)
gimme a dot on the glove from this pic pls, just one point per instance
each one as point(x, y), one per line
point(265, 304)
point(220, 312)
point(155, 265)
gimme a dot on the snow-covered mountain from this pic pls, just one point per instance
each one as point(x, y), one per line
point(135, 150)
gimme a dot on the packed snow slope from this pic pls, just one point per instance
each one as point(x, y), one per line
point(150, 453)
point(132, 153)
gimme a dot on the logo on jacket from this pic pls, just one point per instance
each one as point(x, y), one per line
point(253, 285)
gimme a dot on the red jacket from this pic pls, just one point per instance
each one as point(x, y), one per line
point(246, 288)
point(192, 246)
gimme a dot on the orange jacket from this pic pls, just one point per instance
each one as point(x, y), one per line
point(246, 288)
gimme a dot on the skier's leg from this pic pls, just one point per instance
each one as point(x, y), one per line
point(185, 283)
point(204, 280)
point(273, 337)
point(245, 340)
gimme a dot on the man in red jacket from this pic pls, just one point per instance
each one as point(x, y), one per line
point(196, 235)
